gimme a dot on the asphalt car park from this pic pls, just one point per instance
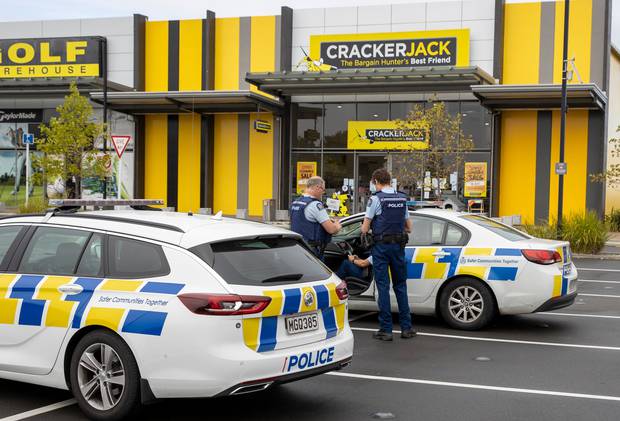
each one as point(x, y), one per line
point(560, 365)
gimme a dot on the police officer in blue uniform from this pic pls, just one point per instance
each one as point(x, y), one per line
point(388, 217)
point(310, 219)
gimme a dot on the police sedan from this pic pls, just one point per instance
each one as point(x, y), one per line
point(467, 268)
point(126, 306)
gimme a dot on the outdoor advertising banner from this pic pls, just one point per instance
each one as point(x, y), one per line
point(50, 57)
point(475, 179)
point(305, 170)
point(392, 49)
point(387, 135)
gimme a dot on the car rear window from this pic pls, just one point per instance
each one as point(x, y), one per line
point(262, 261)
point(508, 233)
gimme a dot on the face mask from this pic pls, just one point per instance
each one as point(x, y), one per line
point(373, 188)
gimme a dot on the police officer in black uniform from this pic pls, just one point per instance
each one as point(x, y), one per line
point(310, 219)
point(388, 217)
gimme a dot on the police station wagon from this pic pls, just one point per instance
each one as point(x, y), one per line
point(126, 306)
point(467, 268)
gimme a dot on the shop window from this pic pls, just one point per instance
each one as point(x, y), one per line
point(400, 110)
point(476, 122)
point(303, 165)
point(339, 181)
point(337, 117)
point(373, 111)
point(309, 126)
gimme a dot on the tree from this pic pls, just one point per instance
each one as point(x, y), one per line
point(68, 147)
point(612, 174)
point(446, 147)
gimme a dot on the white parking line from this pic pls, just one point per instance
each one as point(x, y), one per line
point(581, 294)
point(361, 316)
point(39, 411)
point(599, 281)
point(602, 270)
point(509, 341)
point(477, 386)
point(601, 316)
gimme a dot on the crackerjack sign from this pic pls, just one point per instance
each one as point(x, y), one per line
point(120, 144)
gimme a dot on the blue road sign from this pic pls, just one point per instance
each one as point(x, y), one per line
point(28, 138)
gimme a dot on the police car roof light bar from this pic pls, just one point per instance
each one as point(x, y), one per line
point(104, 202)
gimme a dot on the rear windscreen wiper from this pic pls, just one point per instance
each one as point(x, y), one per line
point(285, 277)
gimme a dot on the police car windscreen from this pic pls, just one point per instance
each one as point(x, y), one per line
point(263, 261)
point(505, 231)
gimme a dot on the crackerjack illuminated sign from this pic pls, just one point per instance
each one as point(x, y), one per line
point(394, 49)
point(50, 57)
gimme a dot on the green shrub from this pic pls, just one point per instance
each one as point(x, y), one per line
point(542, 230)
point(585, 232)
point(35, 205)
point(613, 220)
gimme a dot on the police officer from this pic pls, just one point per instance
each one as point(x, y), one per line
point(387, 216)
point(310, 219)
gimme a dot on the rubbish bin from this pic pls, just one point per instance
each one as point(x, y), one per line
point(269, 210)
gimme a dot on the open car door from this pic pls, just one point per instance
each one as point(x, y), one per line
point(347, 242)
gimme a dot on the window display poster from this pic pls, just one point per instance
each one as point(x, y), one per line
point(305, 170)
point(475, 179)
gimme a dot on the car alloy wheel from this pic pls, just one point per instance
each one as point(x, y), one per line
point(101, 376)
point(466, 304)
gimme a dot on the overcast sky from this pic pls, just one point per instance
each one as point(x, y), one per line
point(183, 9)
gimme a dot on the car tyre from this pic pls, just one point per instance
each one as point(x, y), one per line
point(104, 377)
point(467, 304)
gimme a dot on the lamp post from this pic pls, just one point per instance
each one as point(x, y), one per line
point(563, 110)
point(105, 110)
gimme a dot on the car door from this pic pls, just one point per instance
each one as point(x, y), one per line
point(432, 254)
point(38, 290)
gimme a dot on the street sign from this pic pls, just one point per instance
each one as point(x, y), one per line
point(560, 168)
point(120, 144)
point(28, 139)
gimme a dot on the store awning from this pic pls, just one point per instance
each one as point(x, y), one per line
point(53, 87)
point(540, 97)
point(359, 81)
point(204, 102)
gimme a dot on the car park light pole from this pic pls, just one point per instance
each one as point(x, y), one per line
point(561, 168)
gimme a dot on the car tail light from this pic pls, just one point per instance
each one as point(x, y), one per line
point(542, 257)
point(342, 291)
point(224, 304)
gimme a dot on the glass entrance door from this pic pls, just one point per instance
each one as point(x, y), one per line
point(365, 165)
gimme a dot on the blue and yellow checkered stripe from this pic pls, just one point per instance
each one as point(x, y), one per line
point(560, 282)
point(422, 263)
point(34, 300)
point(260, 333)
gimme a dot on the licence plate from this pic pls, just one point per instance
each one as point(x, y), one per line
point(302, 323)
point(566, 270)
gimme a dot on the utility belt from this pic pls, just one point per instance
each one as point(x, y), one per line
point(401, 239)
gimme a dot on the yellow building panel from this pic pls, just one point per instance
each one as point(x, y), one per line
point(156, 56)
point(156, 157)
point(521, 43)
point(263, 45)
point(261, 165)
point(579, 39)
point(190, 55)
point(517, 177)
point(189, 163)
point(576, 158)
point(225, 164)
point(108, 317)
point(227, 53)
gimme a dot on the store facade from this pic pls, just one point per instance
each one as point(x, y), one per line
point(228, 112)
